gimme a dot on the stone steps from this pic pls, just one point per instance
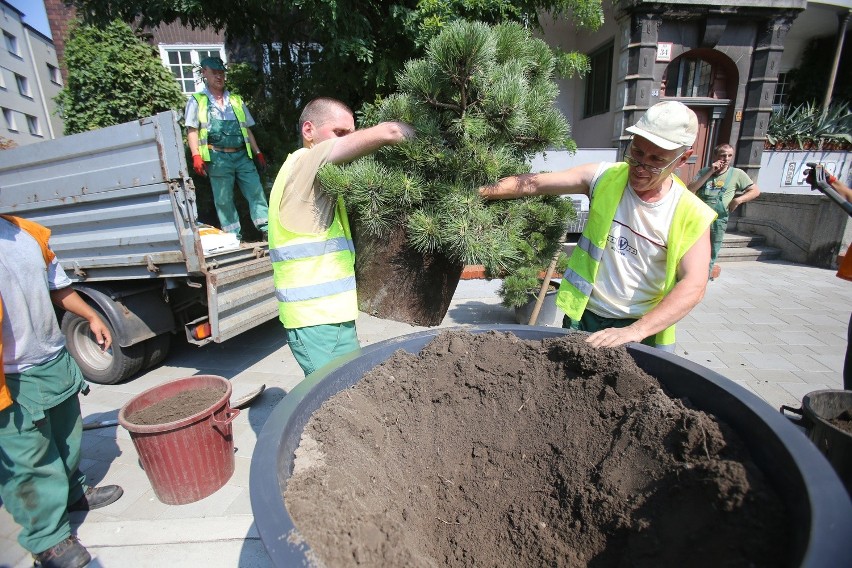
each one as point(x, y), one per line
point(739, 247)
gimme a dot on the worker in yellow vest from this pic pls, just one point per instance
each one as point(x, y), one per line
point(219, 135)
point(310, 243)
point(641, 263)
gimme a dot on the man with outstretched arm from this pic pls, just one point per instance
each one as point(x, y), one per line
point(310, 243)
point(641, 263)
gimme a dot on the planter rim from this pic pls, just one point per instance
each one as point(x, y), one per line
point(822, 502)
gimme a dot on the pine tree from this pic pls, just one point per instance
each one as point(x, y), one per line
point(482, 101)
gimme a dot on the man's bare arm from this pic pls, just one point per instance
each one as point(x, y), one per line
point(69, 300)
point(689, 290)
point(192, 139)
point(751, 193)
point(368, 140)
point(576, 180)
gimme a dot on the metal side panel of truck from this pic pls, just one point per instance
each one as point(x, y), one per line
point(121, 207)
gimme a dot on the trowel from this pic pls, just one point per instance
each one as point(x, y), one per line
point(240, 402)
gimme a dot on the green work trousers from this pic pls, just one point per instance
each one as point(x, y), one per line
point(316, 345)
point(717, 235)
point(224, 169)
point(39, 473)
point(592, 322)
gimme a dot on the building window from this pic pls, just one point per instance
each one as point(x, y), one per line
point(33, 125)
point(54, 74)
point(183, 62)
point(9, 117)
point(689, 77)
point(23, 85)
point(11, 44)
point(599, 82)
point(782, 92)
point(2, 79)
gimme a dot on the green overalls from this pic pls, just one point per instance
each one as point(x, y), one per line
point(224, 168)
point(714, 193)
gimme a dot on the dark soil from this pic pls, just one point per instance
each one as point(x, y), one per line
point(486, 450)
point(177, 407)
point(843, 421)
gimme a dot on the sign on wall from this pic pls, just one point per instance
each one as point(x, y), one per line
point(664, 50)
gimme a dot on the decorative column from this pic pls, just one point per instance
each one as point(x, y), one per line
point(636, 66)
point(760, 91)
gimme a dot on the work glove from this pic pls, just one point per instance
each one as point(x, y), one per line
point(261, 161)
point(198, 165)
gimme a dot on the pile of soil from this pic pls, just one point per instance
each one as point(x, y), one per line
point(486, 450)
point(182, 405)
point(843, 421)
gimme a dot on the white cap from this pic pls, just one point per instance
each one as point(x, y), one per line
point(669, 125)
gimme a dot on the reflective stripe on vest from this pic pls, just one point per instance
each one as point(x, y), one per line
point(314, 274)
point(691, 218)
point(204, 121)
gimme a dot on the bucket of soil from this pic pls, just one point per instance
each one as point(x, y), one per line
point(522, 446)
point(827, 418)
point(182, 433)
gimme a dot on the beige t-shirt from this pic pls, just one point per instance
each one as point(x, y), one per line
point(305, 207)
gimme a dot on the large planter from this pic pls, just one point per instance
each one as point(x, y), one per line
point(815, 497)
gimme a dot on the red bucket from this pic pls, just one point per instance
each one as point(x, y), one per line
point(191, 458)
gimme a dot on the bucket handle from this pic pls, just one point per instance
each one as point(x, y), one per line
point(802, 420)
point(230, 414)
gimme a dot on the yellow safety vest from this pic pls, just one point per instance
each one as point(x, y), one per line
point(314, 274)
point(42, 236)
point(691, 218)
point(204, 121)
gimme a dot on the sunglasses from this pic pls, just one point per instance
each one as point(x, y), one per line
point(653, 170)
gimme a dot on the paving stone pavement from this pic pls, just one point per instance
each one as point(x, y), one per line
point(776, 328)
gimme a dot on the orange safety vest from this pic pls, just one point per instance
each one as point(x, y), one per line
point(42, 235)
point(845, 269)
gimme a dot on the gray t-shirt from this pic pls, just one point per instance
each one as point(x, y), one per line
point(31, 334)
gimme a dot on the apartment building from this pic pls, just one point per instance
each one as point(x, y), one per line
point(30, 79)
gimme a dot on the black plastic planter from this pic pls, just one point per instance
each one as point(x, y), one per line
point(815, 497)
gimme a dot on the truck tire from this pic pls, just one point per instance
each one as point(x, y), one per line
point(156, 349)
point(103, 368)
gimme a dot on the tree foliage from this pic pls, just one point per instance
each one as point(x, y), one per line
point(349, 49)
point(113, 77)
point(482, 102)
point(810, 79)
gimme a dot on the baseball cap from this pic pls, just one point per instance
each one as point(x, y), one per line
point(668, 124)
point(214, 63)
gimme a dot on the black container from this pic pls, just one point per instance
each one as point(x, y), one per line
point(818, 408)
point(818, 506)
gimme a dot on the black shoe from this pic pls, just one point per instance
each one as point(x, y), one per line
point(97, 497)
point(67, 554)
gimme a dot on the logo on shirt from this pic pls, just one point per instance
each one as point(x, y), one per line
point(621, 245)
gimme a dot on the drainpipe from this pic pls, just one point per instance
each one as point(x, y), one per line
point(836, 64)
point(35, 69)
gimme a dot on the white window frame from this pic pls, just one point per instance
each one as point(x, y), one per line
point(23, 86)
point(195, 51)
point(9, 116)
point(33, 125)
point(3, 78)
point(54, 74)
point(11, 44)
